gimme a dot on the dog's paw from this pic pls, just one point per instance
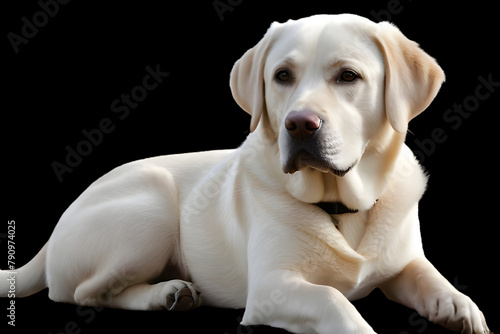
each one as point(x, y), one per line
point(178, 295)
point(456, 312)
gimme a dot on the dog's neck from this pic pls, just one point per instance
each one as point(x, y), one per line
point(359, 189)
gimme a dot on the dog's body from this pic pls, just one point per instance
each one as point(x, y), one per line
point(330, 99)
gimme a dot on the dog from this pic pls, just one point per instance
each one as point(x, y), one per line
point(317, 207)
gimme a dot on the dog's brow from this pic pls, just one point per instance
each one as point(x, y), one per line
point(338, 62)
point(288, 61)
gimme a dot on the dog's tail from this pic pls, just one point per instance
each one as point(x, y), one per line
point(27, 280)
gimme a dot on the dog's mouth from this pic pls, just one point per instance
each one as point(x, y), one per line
point(304, 159)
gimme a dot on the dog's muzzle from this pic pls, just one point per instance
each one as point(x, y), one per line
point(308, 145)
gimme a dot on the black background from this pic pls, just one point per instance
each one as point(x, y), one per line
point(64, 79)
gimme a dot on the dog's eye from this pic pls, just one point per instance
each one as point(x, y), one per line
point(348, 76)
point(282, 76)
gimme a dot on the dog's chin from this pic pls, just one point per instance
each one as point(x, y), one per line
point(307, 160)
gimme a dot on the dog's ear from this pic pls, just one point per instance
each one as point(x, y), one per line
point(412, 77)
point(247, 77)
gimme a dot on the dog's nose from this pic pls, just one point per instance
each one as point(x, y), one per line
point(302, 124)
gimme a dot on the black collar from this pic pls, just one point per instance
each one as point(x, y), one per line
point(335, 208)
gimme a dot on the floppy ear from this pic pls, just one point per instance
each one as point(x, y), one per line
point(412, 77)
point(247, 78)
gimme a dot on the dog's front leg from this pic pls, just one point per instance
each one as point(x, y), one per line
point(421, 287)
point(285, 300)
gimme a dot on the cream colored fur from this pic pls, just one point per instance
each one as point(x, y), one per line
point(232, 225)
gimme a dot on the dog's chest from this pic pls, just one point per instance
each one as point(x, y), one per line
point(354, 254)
point(350, 223)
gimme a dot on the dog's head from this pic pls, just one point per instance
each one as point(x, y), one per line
point(331, 87)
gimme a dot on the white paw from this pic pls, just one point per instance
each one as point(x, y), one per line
point(178, 295)
point(456, 312)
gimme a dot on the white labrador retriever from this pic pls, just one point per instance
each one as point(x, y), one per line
point(316, 208)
